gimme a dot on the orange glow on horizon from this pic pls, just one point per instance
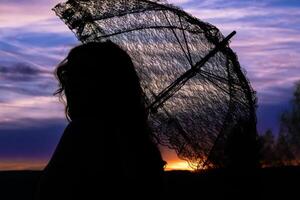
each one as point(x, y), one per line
point(9, 165)
point(170, 156)
point(173, 162)
point(178, 165)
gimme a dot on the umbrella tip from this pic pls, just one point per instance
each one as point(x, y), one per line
point(232, 33)
point(229, 36)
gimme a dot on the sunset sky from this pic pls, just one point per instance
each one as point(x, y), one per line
point(33, 41)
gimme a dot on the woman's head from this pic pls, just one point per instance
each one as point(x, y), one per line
point(98, 79)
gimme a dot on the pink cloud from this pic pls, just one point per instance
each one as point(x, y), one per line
point(17, 14)
point(28, 107)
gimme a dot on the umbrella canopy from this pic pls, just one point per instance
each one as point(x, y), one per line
point(194, 87)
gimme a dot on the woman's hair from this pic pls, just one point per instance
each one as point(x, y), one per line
point(99, 77)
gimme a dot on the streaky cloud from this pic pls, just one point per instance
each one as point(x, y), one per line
point(267, 42)
point(31, 107)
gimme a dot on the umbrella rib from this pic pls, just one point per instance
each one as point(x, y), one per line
point(182, 130)
point(175, 120)
point(185, 40)
point(121, 14)
point(224, 90)
point(176, 36)
point(216, 77)
point(137, 29)
point(227, 118)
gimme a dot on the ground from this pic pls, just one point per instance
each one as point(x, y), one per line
point(270, 183)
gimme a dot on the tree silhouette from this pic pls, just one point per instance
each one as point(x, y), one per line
point(285, 149)
point(268, 143)
point(241, 148)
point(283, 152)
point(290, 123)
point(275, 152)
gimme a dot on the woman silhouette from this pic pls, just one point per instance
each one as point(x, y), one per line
point(106, 150)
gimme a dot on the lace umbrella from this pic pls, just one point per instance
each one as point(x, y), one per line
point(194, 88)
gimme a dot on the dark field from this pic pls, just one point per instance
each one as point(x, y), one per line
point(271, 183)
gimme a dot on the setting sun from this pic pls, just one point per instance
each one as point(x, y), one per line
point(178, 165)
point(173, 162)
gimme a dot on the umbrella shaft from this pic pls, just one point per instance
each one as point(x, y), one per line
point(178, 83)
